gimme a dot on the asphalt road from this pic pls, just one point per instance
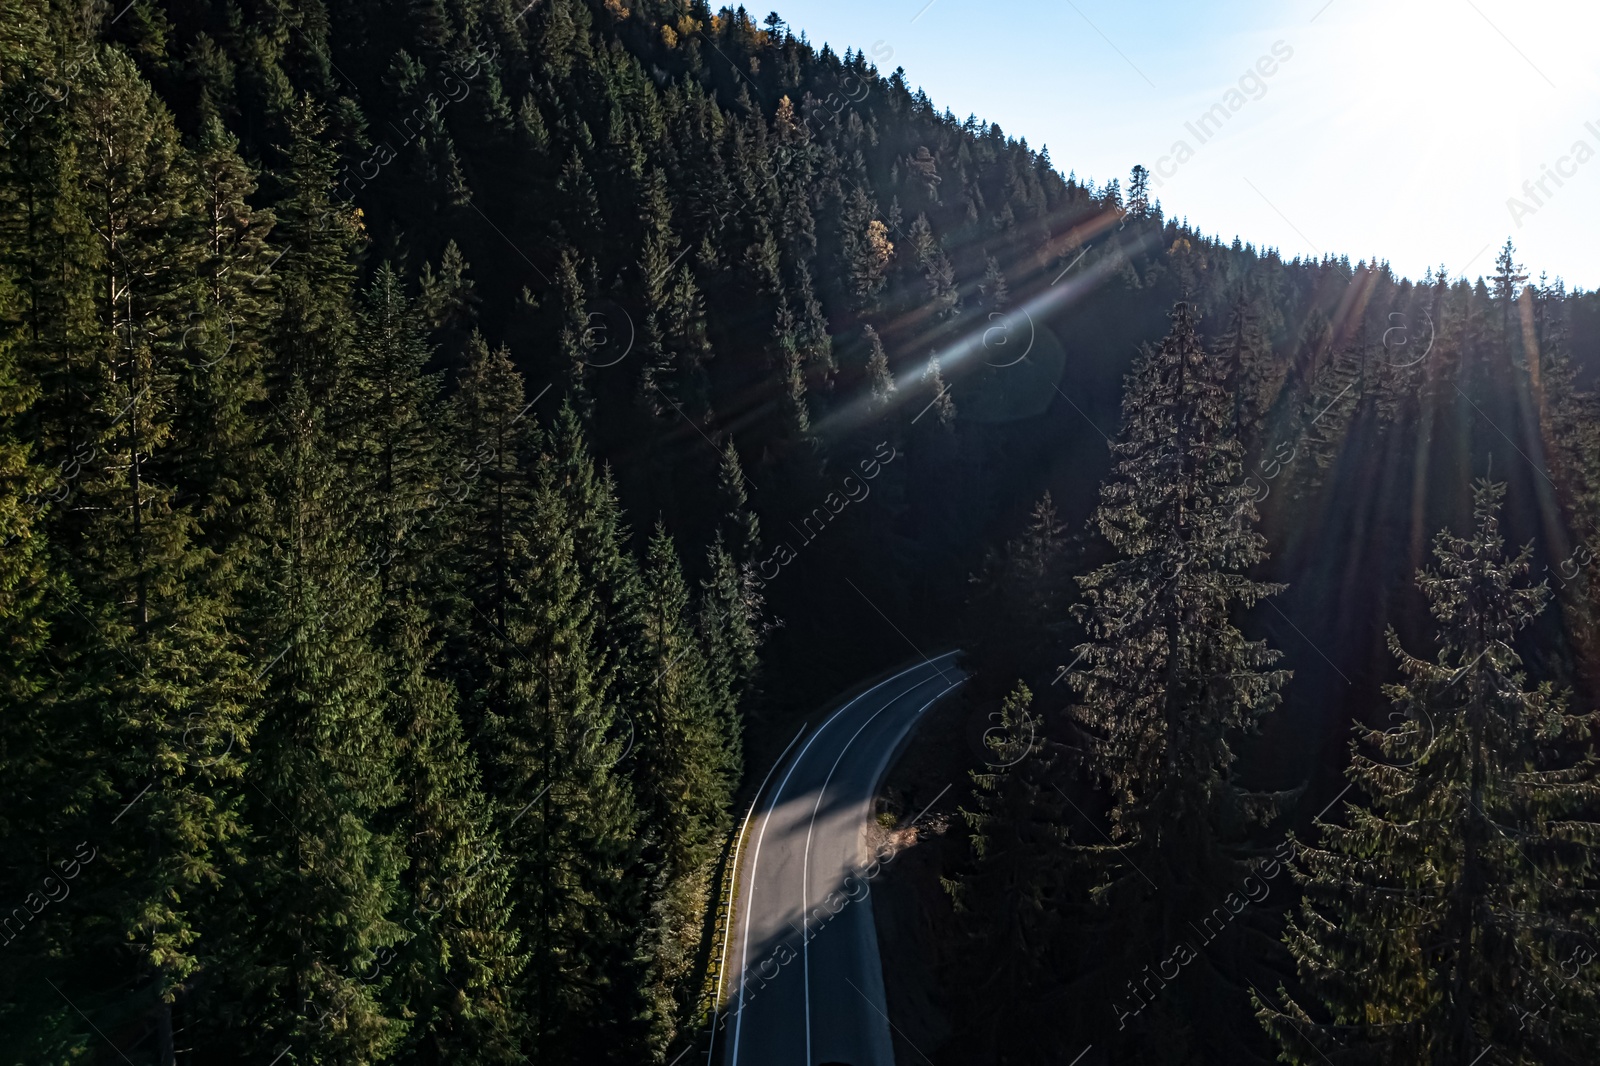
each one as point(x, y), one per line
point(805, 985)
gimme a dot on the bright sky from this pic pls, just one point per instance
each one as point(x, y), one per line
point(1395, 128)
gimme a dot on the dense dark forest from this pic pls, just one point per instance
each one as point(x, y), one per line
point(439, 439)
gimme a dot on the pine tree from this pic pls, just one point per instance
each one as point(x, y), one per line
point(1139, 193)
point(455, 969)
point(488, 418)
point(1021, 601)
point(1442, 922)
point(388, 428)
point(318, 896)
point(534, 629)
point(222, 342)
point(1332, 401)
point(50, 248)
point(993, 286)
point(322, 875)
point(448, 303)
point(38, 745)
point(1245, 353)
point(553, 735)
point(816, 345)
point(1014, 907)
point(880, 381)
point(575, 337)
point(943, 408)
point(1508, 276)
point(1167, 685)
point(867, 250)
point(688, 762)
point(796, 410)
point(431, 185)
point(730, 630)
point(609, 568)
point(739, 525)
point(159, 681)
point(673, 334)
point(943, 298)
point(24, 572)
point(312, 268)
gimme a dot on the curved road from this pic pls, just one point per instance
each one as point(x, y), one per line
point(806, 982)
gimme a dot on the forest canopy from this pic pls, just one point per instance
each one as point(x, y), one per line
point(445, 447)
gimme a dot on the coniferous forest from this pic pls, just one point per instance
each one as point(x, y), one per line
point(448, 446)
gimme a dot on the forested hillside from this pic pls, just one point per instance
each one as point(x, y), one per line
point(1139, 840)
point(439, 438)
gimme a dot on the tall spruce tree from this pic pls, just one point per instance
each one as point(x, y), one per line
point(488, 418)
point(528, 634)
point(1014, 903)
point(553, 736)
point(880, 380)
point(1020, 602)
point(1445, 921)
point(1246, 354)
point(158, 676)
point(318, 897)
point(688, 764)
point(738, 524)
point(37, 744)
point(455, 969)
point(1166, 687)
point(730, 628)
point(222, 343)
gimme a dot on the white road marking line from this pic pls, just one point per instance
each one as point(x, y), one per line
point(805, 875)
point(755, 859)
point(733, 893)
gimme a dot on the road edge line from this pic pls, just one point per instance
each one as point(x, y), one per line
point(738, 1026)
point(733, 886)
